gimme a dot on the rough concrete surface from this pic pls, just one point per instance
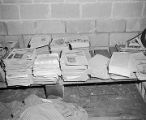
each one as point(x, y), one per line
point(102, 102)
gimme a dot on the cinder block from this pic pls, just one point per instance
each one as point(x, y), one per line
point(68, 35)
point(101, 9)
point(80, 0)
point(110, 25)
point(3, 28)
point(143, 24)
point(17, 38)
point(144, 11)
point(18, 28)
point(63, 35)
point(120, 38)
point(65, 10)
point(17, 1)
point(2, 39)
point(34, 11)
point(12, 38)
point(127, 9)
point(50, 27)
point(135, 25)
point(99, 40)
point(9, 12)
point(80, 26)
point(49, 1)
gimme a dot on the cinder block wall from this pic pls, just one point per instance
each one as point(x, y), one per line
point(106, 22)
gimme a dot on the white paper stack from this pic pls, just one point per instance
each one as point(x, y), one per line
point(119, 64)
point(70, 42)
point(74, 65)
point(122, 64)
point(18, 66)
point(46, 69)
point(38, 41)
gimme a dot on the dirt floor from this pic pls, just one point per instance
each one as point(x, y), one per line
point(109, 100)
point(118, 102)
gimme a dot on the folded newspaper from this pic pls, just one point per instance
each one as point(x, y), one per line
point(69, 42)
point(74, 64)
point(46, 69)
point(18, 66)
point(131, 65)
point(21, 55)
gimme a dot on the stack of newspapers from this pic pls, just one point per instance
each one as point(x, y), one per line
point(78, 42)
point(18, 66)
point(69, 43)
point(46, 69)
point(74, 65)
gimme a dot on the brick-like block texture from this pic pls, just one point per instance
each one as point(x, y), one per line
point(65, 10)
point(17, 1)
point(9, 12)
point(64, 35)
point(125, 9)
point(105, 21)
point(143, 24)
point(2, 39)
point(136, 25)
point(101, 9)
point(48, 1)
point(18, 28)
point(3, 28)
point(100, 39)
point(35, 11)
point(144, 12)
point(7, 38)
point(80, 1)
point(110, 25)
point(120, 38)
point(12, 38)
point(81, 26)
point(45, 27)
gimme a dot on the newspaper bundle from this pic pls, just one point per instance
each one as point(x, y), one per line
point(18, 66)
point(130, 65)
point(74, 65)
point(78, 42)
point(46, 69)
point(69, 42)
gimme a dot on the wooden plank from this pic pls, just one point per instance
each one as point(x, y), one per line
point(100, 81)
